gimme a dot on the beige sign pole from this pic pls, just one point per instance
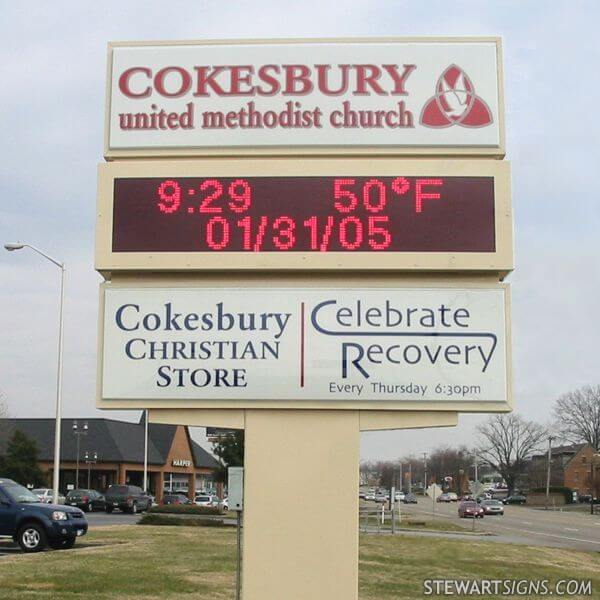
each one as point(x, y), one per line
point(301, 494)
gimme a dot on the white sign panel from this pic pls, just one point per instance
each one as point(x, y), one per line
point(415, 95)
point(312, 344)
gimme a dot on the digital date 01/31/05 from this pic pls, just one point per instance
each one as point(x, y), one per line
point(309, 214)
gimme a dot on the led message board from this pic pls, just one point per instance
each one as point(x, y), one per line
point(305, 214)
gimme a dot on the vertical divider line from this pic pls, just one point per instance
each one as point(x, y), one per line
point(302, 344)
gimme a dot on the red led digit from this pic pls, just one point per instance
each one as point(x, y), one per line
point(285, 238)
point(311, 224)
point(240, 200)
point(351, 227)
point(217, 233)
point(420, 195)
point(206, 207)
point(246, 225)
point(400, 185)
point(169, 193)
point(379, 236)
point(374, 202)
point(346, 201)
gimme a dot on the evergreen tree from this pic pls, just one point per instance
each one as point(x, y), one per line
point(21, 461)
point(229, 449)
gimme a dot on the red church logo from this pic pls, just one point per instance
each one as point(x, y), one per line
point(455, 102)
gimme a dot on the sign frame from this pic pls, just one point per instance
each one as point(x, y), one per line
point(290, 150)
point(308, 282)
point(500, 261)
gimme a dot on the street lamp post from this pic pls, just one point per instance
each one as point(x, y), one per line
point(56, 474)
point(78, 432)
point(90, 459)
point(146, 451)
point(425, 471)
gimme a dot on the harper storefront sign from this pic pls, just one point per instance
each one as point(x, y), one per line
point(405, 95)
point(398, 345)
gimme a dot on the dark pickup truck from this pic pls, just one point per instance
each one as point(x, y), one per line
point(128, 498)
point(34, 524)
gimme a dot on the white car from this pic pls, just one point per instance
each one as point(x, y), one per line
point(207, 500)
point(399, 496)
point(45, 495)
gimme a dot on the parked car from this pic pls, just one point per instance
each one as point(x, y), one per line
point(225, 503)
point(467, 498)
point(128, 498)
point(470, 509)
point(177, 499)
point(381, 498)
point(483, 497)
point(453, 497)
point(410, 499)
point(34, 524)
point(492, 507)
point(370, 496)
point(515, 499)
point(399, 496)
point(87, 500)
point(207, 500)
point(444, 498)
point(46, 495)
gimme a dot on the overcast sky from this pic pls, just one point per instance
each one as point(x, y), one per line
point(53, 65)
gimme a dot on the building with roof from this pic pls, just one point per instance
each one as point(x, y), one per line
point(175, 461)
point(582, 474)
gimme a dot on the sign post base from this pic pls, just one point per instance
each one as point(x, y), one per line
point(301, 505)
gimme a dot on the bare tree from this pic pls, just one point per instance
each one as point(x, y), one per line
point(577, 416)
point(507, 442)
point(445, 461)
point(5, 429)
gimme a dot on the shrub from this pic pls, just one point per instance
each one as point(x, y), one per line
point(156, 519)
point(186, 509)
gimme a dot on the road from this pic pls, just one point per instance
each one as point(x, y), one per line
point(524, 525)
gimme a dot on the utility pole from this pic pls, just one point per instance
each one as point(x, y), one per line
point(548, 467)
point(410, 477)
point(425, 471)
point(595, 456)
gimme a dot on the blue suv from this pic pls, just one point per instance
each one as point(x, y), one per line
point(35, 525)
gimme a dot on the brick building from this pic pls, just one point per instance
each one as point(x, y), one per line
point(175, 461)
point(578, 473)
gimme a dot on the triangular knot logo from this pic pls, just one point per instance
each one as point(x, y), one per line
point(455, 103)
